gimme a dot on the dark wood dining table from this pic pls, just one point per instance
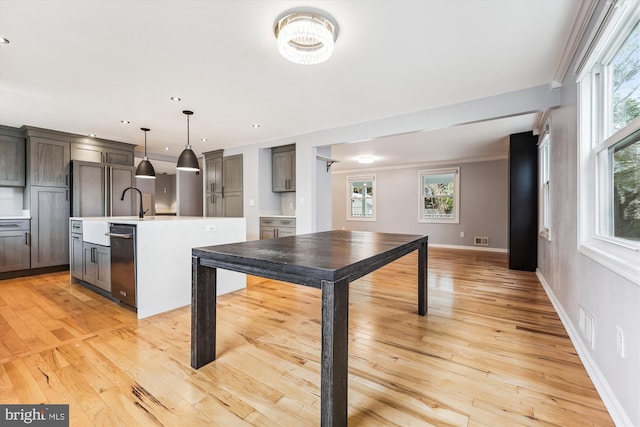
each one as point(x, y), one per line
point(327, 260)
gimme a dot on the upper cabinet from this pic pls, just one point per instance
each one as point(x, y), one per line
point(223, 185)
point(12, 157)
point(283, 168)
point(49, 162)
point(101, 153)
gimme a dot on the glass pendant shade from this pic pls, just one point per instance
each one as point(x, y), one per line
point(305, 38)
point(145, 168)
point(188, 160)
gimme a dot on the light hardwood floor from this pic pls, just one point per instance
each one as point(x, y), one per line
point(490, 352)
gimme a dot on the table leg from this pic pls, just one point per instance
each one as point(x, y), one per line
point(203, 314)
point(335, 351)
point(422, 279)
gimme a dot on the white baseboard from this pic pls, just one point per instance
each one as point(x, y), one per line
point(617, 412)
point(469, 248)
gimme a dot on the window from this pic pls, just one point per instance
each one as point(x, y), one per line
point(544, 186)
point(609, 158)
point(361, 203)
point(439, 195)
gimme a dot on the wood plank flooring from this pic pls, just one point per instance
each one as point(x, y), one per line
point(490, 352)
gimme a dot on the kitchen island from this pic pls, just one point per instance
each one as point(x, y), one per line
point(163, 254)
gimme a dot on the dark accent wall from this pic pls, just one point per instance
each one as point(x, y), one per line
point(523, 201)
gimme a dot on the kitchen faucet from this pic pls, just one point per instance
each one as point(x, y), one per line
point(141, 213)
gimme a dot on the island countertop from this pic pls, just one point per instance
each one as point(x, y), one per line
point(163, 255)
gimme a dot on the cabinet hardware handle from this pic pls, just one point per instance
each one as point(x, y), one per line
point(27, 239)
point(67, 195)
point(10, 225)
point(213, 198)
point(66, 180)
point(223, 191)
point(213, 187)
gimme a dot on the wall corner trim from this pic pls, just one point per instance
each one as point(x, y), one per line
point(609, 399)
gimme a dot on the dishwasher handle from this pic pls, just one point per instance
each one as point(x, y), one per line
point(119, 235)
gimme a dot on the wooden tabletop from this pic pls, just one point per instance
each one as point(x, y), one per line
point(307, 259)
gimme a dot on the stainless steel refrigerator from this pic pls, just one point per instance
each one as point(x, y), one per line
point(97, 187)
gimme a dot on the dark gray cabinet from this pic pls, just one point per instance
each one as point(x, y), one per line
point(12, 157)
point(102, 154)
point(49, 226)
point(275, 227)
point(223, 183)
point(97, 189)
point(49, 162)
point(96, 262)
point(283, 168)
point(15, 253)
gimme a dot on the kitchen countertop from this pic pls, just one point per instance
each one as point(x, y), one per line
point(277, 216)
point(135, 219)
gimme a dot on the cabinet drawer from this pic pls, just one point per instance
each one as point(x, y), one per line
point(268, 221)
point(287, 222)
point(14, 224)
point(76, 227)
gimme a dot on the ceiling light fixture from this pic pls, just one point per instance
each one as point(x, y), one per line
point(255, 125)
point(365, 160)
point(306, 37)
point(92, 135)
point(203, 139)
point(188, 160)
point(4, 40)
point(145, 168)
point(175, 98)
point(125, 122)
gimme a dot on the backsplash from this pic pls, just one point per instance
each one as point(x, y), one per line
point(11, 201)
point(289, 203)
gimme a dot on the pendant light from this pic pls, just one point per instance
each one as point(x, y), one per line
point(187, 160)
point(145, 168)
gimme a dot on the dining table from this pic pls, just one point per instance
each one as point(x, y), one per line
point(329, 261)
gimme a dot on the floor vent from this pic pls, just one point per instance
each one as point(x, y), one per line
point(481, 241)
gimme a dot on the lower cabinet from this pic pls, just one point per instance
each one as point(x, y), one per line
point(49, 226)
point(15, 252)
point(274, 227)
point(76, 256)
point(96, 265)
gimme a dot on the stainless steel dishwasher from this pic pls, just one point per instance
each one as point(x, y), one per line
point(123, 263)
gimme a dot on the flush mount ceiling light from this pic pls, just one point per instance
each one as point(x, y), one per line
point(306, 37)
point(145, 168)
point(188, 160)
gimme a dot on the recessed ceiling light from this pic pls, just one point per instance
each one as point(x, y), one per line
point(92, 135)
point(166, 148)
point(175, 98)
point(365, 159)
point(4, 40)
point(125, 122)
point(255, 125)
point(203, 139)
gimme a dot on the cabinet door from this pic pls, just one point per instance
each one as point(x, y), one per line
point(232, 170)
point(118, 157)
point(232, 204)
point(49, 226)
point(86, 153)
point(281, 172)
point(103, 271)
point(286, 232)
point(12, 161)
point(121, 177)
point(213, 181)
point(14, 250)
point(89, 263)
point(49, 160)
point(76, 254)
point(267, 233)
point(88, 189)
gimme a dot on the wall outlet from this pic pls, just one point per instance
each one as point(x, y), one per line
point(462, 234)
point(481, 241)
point(620, 341)
point(252, 202)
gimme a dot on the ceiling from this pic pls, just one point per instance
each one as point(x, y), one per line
point(83, 66)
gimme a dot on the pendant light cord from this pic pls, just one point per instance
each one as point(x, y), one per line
point(188, 143)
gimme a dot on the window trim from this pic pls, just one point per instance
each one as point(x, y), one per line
point(619, 255)
point(456, 195)
point(356, 178)
point(544, 187)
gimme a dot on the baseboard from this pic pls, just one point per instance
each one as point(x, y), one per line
point(33, 272)
point(617, 412)
point(468, 248)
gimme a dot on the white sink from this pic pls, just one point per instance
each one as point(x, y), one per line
point(93, 232)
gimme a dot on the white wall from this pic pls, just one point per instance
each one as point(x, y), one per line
point(483, 204)
point(575, 280)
